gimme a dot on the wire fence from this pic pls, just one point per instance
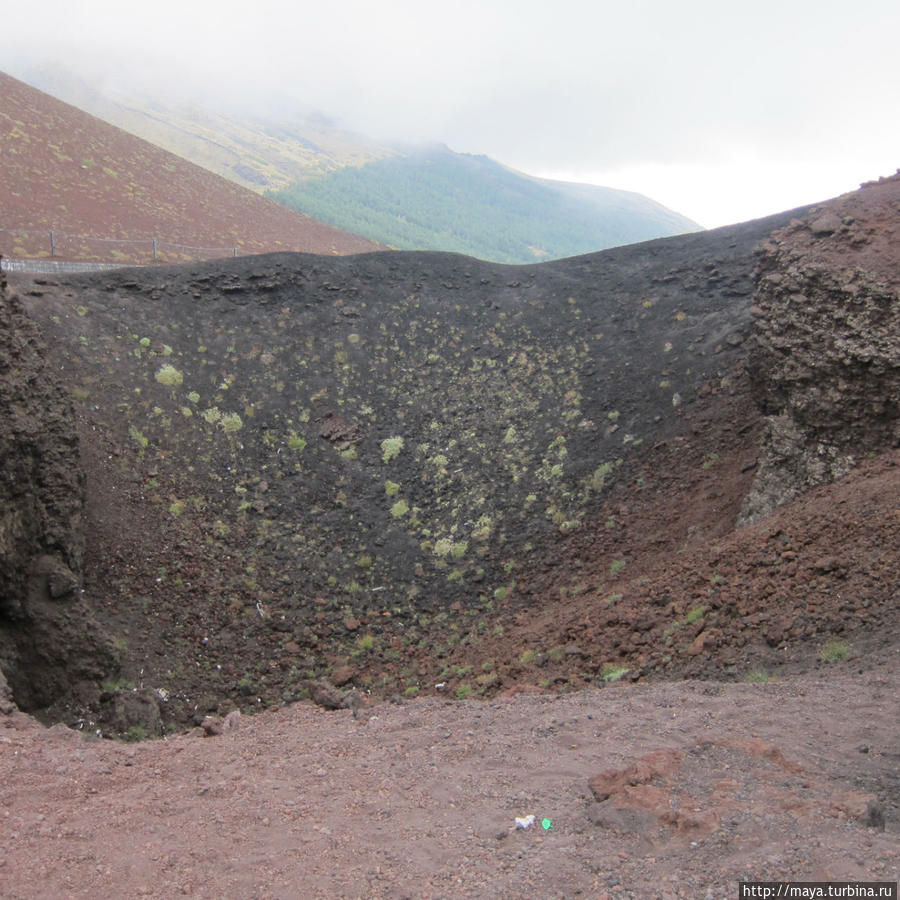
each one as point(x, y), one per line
point(50, 244)
point(53, 266)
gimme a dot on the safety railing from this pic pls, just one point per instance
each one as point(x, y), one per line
point(51, 244)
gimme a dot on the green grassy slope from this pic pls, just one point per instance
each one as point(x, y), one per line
point(436, 199)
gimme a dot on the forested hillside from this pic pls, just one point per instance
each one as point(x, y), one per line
point(436, 199)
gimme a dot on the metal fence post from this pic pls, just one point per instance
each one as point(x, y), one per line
point(155, 248)
point(52, 244)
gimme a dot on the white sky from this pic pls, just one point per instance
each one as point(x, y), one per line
point(723, 111)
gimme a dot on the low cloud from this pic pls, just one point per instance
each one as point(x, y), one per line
point(571, 86)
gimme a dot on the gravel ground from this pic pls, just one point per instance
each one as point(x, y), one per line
point(768, 782)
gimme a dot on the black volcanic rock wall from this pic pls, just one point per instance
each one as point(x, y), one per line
point(46, 636)
point(825, 354)
point(335, 457)
point(43, 487)
point(394, 430)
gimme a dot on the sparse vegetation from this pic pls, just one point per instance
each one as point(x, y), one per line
point(169, 375)
point(611, 673)
point(399, 509)
point(710, 460)
point(835, 651)
point(390, 448)
point(757, 676)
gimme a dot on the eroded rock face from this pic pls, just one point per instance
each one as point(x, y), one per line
point(42, 488)
point(825, 356)
point(46, 636)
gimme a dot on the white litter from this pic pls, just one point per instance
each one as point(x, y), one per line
point(524, 821)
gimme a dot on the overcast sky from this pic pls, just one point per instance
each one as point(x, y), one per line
point(723, 111)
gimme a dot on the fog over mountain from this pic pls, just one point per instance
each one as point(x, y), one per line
point(722, 113)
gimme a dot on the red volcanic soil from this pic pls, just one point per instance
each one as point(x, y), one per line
point(651, 792)
point(65, 170)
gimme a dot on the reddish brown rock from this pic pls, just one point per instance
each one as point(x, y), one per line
point(343, 675)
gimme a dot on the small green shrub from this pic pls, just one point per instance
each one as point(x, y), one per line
point(617, 567)
point(442, 547)
point(463, 691)
point(140, 439)
point(169, 375)
point(231, 422)
point(757, 676)
point(711, 459)
point(390, 448)
point(613, 673)
point(400, 508)
point(835, 651)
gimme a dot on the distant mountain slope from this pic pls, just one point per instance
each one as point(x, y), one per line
point(429, 199)
point(641, 217)
point(66, 170)
point(436, 199)
point(255, 152)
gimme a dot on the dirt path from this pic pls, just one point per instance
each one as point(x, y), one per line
point(768, 782)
